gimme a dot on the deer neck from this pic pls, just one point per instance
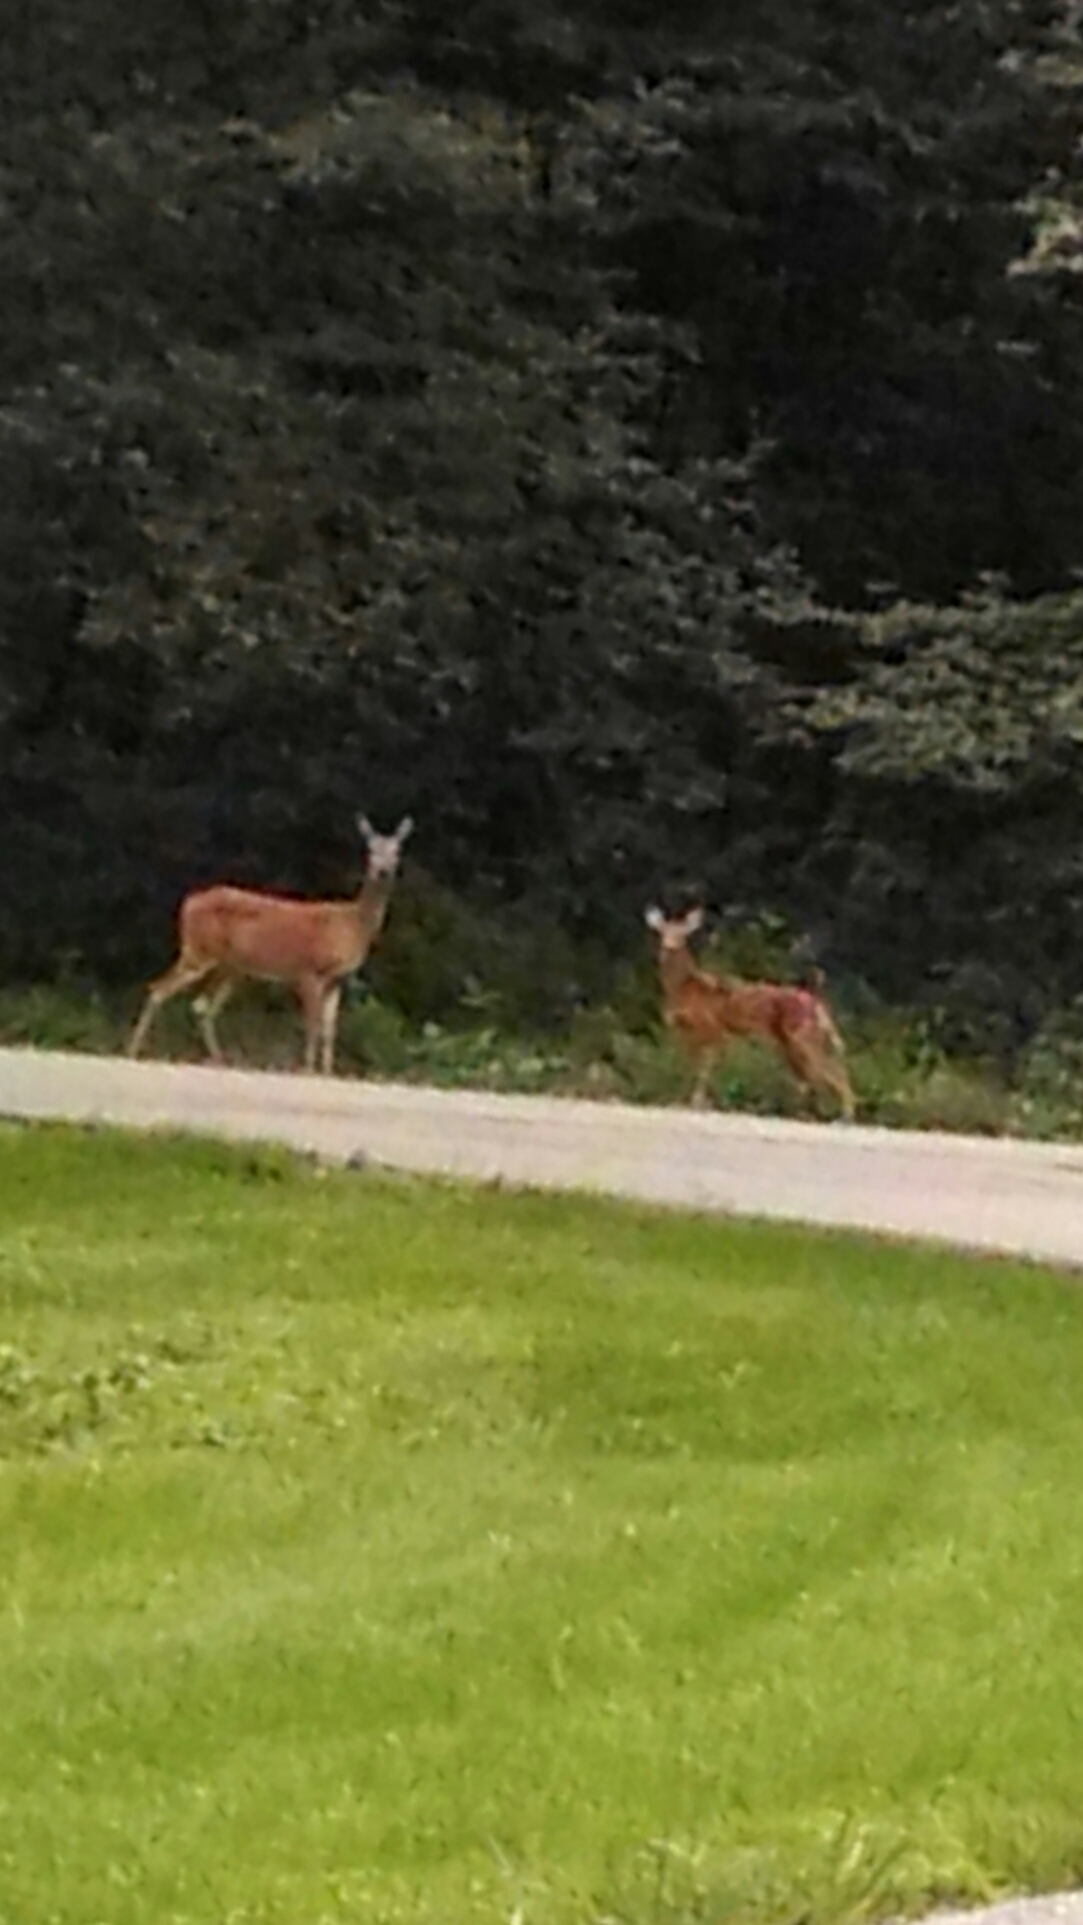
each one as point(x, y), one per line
point(677, 968)
point(371, 903)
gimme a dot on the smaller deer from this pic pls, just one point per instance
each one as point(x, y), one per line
point(705, 1013)
point(228, 935)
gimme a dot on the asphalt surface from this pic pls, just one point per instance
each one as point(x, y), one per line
point(1025, 1199)
point(1059, 1908)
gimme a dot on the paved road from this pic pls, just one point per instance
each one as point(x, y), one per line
point(1059, 1908)
point(1024, 1198)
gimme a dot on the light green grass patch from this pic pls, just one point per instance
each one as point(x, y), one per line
point(378, 1551)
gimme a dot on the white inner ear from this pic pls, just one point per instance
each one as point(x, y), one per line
point(654, 919)
point(693, 921)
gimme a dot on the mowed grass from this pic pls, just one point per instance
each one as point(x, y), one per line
point(377, 1551)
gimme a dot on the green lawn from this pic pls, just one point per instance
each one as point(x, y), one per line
point(375, 1551)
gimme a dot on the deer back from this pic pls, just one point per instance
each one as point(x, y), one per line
point(252, 934)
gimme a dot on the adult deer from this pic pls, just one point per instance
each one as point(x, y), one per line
point(228, 935)
point(706, 1012)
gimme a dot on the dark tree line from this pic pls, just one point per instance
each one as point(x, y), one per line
point(629, 438)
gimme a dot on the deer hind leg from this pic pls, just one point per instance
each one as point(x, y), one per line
point(832, 1074)
point(819, 1072)
point(208, 1007)
point(835, 1078)
point(328, 1027)
point(185, 973)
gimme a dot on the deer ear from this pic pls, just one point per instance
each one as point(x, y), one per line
point(693, 921)
point(404, 829)
point(366, 828)
point(654, 919)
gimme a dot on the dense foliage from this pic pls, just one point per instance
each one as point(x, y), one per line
point(621, 435)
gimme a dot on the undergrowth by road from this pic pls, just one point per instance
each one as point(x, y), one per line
point(904, 1074)
point(400, 1552)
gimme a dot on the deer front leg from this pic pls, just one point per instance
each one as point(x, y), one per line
point(703, 1061)
point(310, 994)
point(208, 1008)
point(328, 1026)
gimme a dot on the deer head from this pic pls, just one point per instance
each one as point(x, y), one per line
point(673, 932)
point(384, 852)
